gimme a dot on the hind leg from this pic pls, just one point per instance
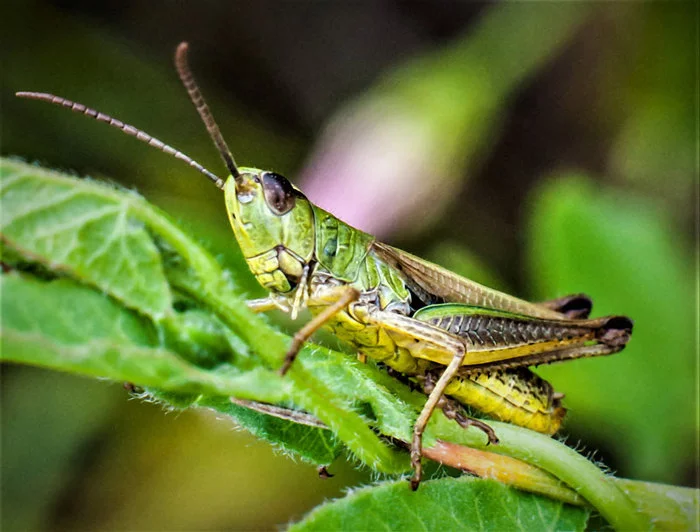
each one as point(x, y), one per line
point(428, 409)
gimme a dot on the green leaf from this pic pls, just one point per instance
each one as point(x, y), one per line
point(87, 232)
point(320, 445)
point(626, 253)
point(447, 504)
point(64, 325)
point(68, 314)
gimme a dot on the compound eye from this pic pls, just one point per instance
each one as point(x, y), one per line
point(280, 195)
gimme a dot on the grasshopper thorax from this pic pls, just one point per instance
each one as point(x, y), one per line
point(274, 225)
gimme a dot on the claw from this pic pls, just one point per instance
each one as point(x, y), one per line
point(323, 472)
point(453, 411)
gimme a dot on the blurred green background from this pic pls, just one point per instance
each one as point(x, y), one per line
point(542, 148)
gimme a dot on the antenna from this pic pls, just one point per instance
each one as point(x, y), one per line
point(183, 70)
point(126, 128)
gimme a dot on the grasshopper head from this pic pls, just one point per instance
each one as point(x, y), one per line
point(273, 221)
point(274, 225)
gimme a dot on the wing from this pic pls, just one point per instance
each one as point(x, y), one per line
point(429, 279)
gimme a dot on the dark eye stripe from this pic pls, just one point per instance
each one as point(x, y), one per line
point(279, 193)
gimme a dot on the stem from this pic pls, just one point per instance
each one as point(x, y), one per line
point(503, 468)
point(557, 459)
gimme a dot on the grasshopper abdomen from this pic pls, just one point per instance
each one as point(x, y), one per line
point(515, 396)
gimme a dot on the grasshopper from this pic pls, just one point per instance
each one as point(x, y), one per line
point(464, 343)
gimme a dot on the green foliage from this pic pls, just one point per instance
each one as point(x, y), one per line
point(101, 283)
point(89, 236)
point(124, 330)
point(625, 253)
point(447, 504)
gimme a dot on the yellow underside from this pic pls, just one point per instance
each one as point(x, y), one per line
point(495, 395)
